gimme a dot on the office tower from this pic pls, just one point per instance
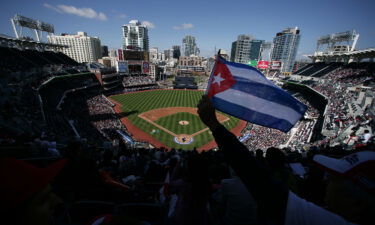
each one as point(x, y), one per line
point(176, 51)
point(241, 49)
point(245, 49)
point(104, 50)
point(285, 46)
point(255, 49)
point(233, 51)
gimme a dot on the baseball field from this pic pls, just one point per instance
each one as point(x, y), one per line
point(168, 118)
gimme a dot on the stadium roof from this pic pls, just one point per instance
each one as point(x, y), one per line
point(11, 42)
point(344, 56)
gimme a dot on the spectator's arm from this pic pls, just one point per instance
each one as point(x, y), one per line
point(270, 194)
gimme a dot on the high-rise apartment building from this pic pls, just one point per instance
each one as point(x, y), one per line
point(82, 48)
point(189, 46)
point(135, 36)
point(285, 46)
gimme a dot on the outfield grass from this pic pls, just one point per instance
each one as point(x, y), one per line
point(136, 103)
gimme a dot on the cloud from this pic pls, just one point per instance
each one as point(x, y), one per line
point(148, 24)
point(52, 7)
point(83, 12)
point(122, 16)
point(184, 26)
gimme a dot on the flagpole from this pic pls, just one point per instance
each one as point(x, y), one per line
point(212, 72)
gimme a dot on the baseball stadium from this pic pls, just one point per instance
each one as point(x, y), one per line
point(132, 137)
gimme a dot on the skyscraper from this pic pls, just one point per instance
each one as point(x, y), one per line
point(245, 49)
point(82, 48)
point(285, 46)
point(233, 51)
point(104, 50)
point(135, 36)
point(176, 51)
point(189, 47)
point(241, 49)
point(255, 48)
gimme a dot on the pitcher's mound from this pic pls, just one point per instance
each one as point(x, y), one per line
point(183, 122)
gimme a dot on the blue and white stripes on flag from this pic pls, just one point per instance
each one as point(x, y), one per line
point(244, 92)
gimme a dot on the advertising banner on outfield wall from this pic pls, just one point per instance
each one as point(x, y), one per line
point(276, 65)
point(146, 67)
point(263, 64)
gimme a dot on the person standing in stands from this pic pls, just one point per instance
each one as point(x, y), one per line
point(366, 137)
point(26, 197)
point(346, 199)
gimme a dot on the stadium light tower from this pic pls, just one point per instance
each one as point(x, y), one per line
point(35, 25)
point(332, 41)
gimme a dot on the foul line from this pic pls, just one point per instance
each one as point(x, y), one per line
point(157, 125)
point(201, 131)
point(170, 132)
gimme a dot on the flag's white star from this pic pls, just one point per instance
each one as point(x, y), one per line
point(218, 79)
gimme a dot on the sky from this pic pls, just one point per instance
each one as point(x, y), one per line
point(213, 23)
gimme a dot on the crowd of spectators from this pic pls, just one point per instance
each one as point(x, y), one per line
point(263, 138)
point(105, 120)
point(335, 86)
point(134, 80)
point(92, 116)
point(302, 134)
point(19, 103)
point(140, 88)
point(156, 186)
point(133, 83)
point(311, 112)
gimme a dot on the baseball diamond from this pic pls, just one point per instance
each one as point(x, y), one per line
point(168, 118)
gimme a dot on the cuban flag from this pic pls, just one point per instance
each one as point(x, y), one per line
point(244, 92)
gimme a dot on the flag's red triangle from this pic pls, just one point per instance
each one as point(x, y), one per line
point(221, 79)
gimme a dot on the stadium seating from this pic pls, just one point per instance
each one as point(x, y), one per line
point(13, 59)
point(185, 83)
point(312, 69)
point(329, 68)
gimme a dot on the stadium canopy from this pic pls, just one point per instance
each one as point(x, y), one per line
point(347, 57)
point(10, 42)
point(328, 42)
point(37, 26)
point(341, 47)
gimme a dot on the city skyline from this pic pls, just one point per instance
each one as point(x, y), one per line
point(213, 24)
